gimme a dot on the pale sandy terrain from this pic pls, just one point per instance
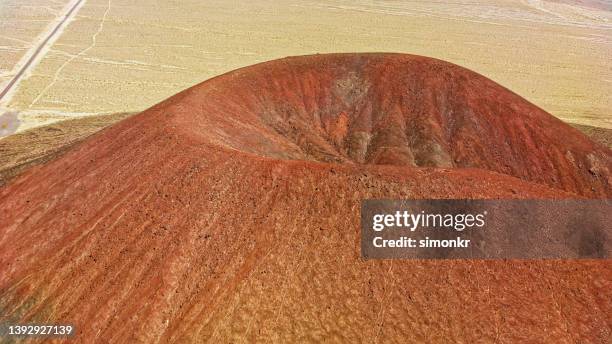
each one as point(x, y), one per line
point(21, 25)
point(126, 55)
point(598, 4)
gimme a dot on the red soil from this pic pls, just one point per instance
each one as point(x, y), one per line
point(231, 212)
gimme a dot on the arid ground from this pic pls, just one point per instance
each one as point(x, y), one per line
point(124, 56)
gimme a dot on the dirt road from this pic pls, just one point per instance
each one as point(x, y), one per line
point(35, 51)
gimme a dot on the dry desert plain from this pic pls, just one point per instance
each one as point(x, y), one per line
point(126, 55)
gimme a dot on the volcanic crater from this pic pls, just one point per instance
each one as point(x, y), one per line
point(390, 110)
point(231, 212)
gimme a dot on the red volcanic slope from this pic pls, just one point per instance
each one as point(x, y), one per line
point(389, 109)
point(231, 212)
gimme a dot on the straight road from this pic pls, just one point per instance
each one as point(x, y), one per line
point(38, 49)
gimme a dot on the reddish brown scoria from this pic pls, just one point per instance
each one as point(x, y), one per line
point(230, 212)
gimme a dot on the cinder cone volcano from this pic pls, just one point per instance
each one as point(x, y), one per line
point(230, 212)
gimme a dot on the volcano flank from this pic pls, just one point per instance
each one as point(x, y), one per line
point(230, 212)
